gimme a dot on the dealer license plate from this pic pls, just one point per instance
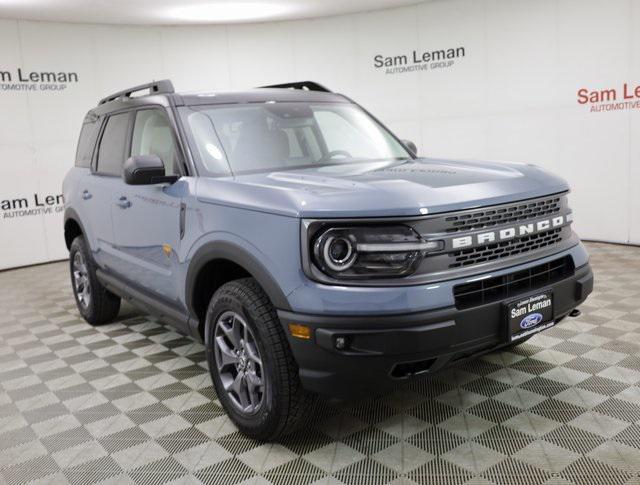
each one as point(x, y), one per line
point(529, 315)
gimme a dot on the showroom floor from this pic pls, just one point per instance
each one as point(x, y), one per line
point(133, 402)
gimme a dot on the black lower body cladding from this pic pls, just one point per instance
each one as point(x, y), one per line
point(354, 356)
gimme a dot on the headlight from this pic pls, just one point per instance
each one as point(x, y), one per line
point(370, 252)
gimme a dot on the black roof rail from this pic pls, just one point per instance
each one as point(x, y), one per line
point(304, 85)
point(156, 87)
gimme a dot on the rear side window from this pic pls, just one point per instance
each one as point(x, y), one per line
point(112, 145)
point(86, 143)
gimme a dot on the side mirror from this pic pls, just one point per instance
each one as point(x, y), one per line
point(409, 145)
point(146, 170)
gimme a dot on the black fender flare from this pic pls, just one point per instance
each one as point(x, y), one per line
point(241, 257)
point(71, 214)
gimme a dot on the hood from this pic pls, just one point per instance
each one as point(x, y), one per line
point(382, 189)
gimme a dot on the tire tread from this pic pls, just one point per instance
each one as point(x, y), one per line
point(298, 400)
point(105, 306)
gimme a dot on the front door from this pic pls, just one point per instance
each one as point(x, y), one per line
point(146, 218)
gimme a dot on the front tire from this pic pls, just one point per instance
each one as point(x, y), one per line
point(96, 304)
point(251, 365)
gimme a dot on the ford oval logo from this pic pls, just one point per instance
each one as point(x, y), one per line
point(531, 321)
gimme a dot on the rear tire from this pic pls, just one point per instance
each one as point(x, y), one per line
point(251, 364)
point(96, 304)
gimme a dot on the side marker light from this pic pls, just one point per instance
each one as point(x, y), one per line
point(300, 331)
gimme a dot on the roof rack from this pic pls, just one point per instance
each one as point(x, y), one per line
point(156, 87)
point(304, 85)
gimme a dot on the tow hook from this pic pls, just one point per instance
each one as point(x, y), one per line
point(575, 313)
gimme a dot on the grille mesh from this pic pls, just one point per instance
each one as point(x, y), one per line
point(503, 215)
point(494, 251)
point(500, 287)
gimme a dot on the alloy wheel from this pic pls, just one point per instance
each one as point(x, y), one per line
point(81, 280)
point(239, 362)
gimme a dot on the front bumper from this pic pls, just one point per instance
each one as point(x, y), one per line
point(384, 349)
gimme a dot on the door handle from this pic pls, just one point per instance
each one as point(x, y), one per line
point(123, 202)
point(86, 195)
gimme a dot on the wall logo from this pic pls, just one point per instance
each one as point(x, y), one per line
point(37, 204)
point(613, 99)
point(23, 80)
point(418, 61)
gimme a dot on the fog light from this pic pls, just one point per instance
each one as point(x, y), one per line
point(300, 331)
point(341, 343)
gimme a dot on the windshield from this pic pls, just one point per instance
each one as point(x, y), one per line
point(249, 138)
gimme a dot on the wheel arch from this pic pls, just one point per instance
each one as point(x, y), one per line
point(72, 227)
point(237, 262)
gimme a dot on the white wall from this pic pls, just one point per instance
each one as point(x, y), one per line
point(512, 97)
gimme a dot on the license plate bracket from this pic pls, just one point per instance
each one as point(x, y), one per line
point(529, 314)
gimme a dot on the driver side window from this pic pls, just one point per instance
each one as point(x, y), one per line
point(153, 135)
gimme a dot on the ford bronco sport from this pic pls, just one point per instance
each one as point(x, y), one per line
point(310, 249)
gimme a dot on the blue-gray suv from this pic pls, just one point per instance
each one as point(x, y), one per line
point(307, 246)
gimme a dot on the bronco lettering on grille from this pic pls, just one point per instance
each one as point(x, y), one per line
point(511, 232)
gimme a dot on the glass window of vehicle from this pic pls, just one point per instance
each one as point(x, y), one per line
point(86, 143)
point(112, 145)
point(153, 135)
point(275, 136)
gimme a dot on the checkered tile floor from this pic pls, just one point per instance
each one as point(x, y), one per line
point(132, 402)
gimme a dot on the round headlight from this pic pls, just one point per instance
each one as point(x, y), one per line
point(339, 253)
point(360, 252)
point(336, 251)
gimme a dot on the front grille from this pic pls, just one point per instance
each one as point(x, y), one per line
point(504, 249)
point(534, 229)
point(498, 288)
point(503, 215)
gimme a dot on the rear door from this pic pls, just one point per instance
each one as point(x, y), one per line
point(147, 218)
point(98, 186)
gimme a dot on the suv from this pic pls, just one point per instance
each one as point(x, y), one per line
point(307, 247)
